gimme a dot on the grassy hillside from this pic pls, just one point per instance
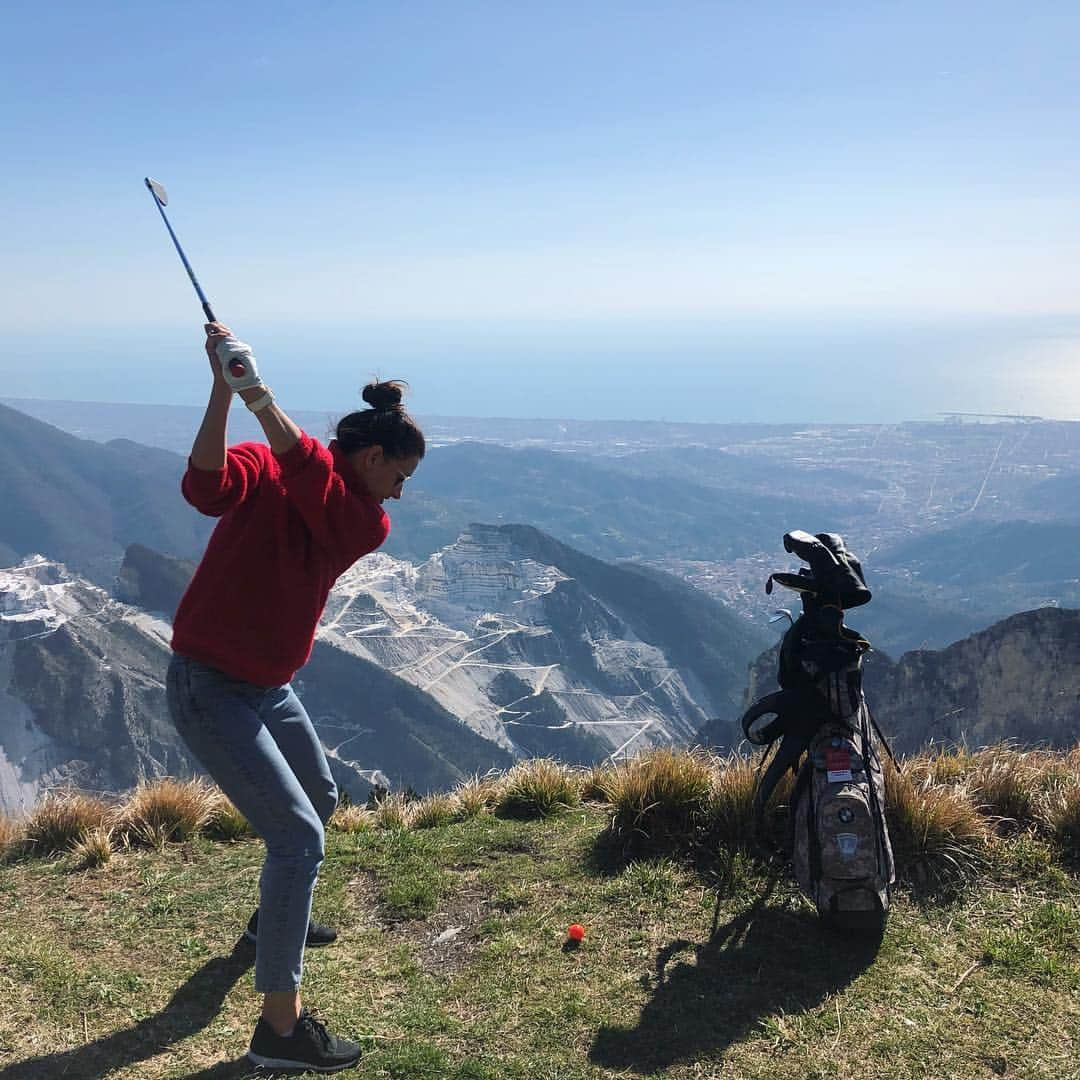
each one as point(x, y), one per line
point(699, 959)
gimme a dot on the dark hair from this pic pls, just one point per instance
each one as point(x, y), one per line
point(385, 424)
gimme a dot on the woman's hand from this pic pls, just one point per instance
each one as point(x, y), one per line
point(216, 332)
point(231, 361)
point(208, 450)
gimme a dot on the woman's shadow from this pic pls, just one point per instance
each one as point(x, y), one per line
point(189, 1010)
point(766, 959)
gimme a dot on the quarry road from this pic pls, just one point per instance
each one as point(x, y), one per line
point(463, 662)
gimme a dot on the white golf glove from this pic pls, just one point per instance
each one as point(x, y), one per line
point(237, 364)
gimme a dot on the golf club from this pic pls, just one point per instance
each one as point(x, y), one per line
point(161, 200)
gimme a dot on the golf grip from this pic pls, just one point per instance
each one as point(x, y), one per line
point(208, 313)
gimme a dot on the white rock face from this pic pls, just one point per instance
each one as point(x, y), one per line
point(478, 610)
point(37, 597)
point(23, 746)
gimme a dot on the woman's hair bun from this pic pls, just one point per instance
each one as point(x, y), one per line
point(385, 424)
point(385, 396)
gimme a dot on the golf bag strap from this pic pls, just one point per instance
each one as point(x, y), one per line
point(792, 747)
point(782, 703)
point(881, 737)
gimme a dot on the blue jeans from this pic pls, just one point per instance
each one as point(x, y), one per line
point(258, 744)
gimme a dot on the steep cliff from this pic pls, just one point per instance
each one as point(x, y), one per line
point(1019, 679)
point(81, 688)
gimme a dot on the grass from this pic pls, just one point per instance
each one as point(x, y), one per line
point(12, 834)
point(62, 820)
point(477, 794)
point(392, 812)
point(432, 811)
point(660, 797)
point(1009, 785)
point(226, 822)
point(937, 834)
point(352, 818)
point(94, 850)
point(538, 788)
point(168, 810)
point(453, 961)
point(730, 812)
point(1064, 822)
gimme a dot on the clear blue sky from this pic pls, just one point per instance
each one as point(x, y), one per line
point(701, 211)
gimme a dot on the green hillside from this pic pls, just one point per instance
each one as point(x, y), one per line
point(453, 962)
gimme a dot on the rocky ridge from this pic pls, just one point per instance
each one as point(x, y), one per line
point(1017, 680)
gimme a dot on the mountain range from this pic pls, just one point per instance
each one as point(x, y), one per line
point(465, 645)
point(503, 645)
point(83, 503)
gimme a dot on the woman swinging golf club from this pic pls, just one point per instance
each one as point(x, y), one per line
point(293, 516)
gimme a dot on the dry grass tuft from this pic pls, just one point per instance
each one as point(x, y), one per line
point(730, 814)
point(12, 837)
point(352, 819)
point(432, 811)
point(1063, 814)
point(596, 784)
point(226, 822)
point(392, 811)
point(939, 766)
point(61, 820)
point(538, 788)
point(661, 796)
point(937, 835)
point(166, 810)
point(476, 795)
point(1016, 790)
point(94, 850)
point(1005, 784)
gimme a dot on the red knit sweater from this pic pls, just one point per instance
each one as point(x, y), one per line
point(290, 526)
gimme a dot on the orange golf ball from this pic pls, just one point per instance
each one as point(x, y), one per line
point(575, 932)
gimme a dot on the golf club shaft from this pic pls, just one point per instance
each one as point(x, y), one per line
point(183, 258)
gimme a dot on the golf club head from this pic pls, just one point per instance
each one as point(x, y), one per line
point(157, 190)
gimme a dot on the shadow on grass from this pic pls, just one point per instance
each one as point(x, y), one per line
point(189, 1010)
point(764, 960)
point(611, 852)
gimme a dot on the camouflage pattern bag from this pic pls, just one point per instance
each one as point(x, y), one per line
point(841, 853)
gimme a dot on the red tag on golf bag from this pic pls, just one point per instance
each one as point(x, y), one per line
point(838, 764)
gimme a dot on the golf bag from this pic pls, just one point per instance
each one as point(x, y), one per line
point(825, 734)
